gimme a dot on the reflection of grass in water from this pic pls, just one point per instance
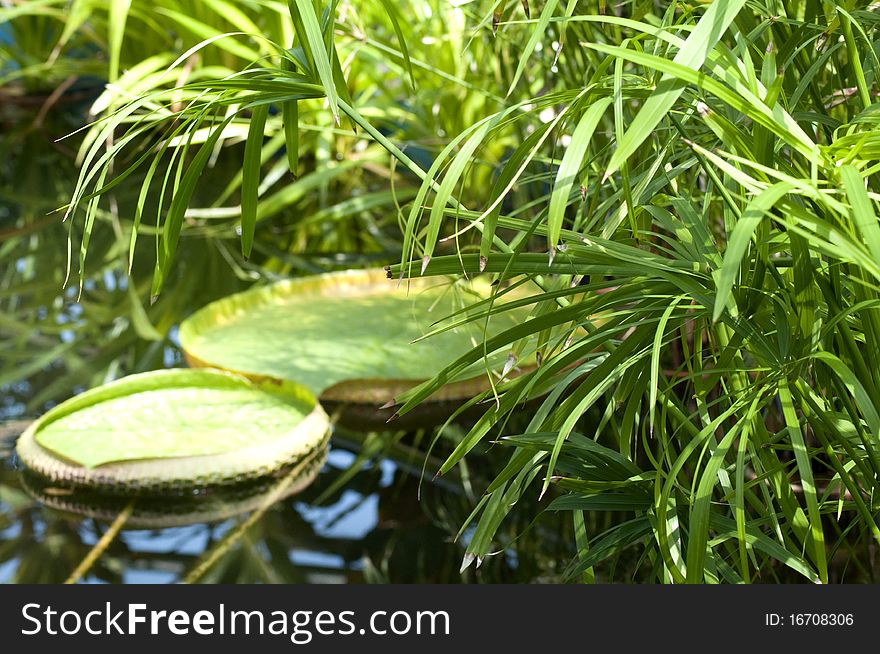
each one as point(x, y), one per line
point(410, 542)
point(101, 546)
point(220, 549)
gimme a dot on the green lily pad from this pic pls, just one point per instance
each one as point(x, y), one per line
point(169, 427)
point(328, 329)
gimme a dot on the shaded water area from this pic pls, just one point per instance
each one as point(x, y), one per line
point(371, 529)
point(372, 514)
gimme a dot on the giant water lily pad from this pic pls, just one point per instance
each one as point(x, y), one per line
point(350, 336)
point(174, 427)
point(211, 505)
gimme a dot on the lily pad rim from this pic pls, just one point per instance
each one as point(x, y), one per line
point(364, 282)
point(48, 462)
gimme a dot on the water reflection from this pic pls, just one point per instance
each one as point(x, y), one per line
point(373, 529)
point(198, 505)
point(367, 516)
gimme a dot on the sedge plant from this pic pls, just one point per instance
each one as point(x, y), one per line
point(689, 189)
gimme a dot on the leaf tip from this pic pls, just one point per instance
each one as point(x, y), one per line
point(466, 561)
point(511, 360)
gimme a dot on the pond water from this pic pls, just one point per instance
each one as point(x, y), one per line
point(369, 516)
point(372, 529)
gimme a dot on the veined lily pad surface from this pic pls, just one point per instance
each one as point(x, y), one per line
point(171, 426)
point(341, 327)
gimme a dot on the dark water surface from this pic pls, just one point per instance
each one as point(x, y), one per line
point(372, 529)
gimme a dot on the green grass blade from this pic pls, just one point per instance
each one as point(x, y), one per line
point(805, 469)
point(698, 532)
point(393, 13)
point(571, 163)
point(179, 203)
point(702, 39)
point(312, 40)
point(250, 177)
point(656, 348)
point(538, 32)
point(739, 241)
point(863, 214)
point(461, 160)
point(118, 16)
point(290, 121)
point(209, 34)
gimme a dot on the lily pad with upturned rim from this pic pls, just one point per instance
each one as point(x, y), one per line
point(209, 505)
point(172, 429)
point(350, 336)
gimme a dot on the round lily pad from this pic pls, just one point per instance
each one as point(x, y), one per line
point(351, 337)
point(168, 429)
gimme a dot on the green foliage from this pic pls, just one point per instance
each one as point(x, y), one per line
point(738, 202)
point(691, 186)
point(53, 40)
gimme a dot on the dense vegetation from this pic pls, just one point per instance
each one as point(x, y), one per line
point(692, 186)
